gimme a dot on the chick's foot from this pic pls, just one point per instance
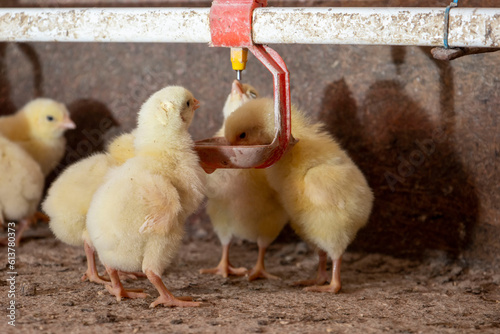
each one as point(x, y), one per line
point(335, 285)
point(259, 271)
point(321, 276)
point(117, 290)
point(319, 280)
point(173, 302)
point(256, 273)
point(123, 275)
point(224, 268)
point(166, 298)
point(135, 275)
point(93, 276)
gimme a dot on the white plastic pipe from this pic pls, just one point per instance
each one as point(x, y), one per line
point(472, 27)
point(169, 25)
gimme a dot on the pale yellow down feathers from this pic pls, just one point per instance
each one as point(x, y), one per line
point(323, 191)
point(21, 182)
point(240, 201)
point(136, 218)
point(69, 196)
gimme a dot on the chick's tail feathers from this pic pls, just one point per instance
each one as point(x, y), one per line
point(163, 206)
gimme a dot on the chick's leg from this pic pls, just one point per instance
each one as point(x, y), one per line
point(91, 274)
point(135, 275)
point(22, 226)
point(321, 276)
point(224, 268)
point(117, 290)
point(335, 284)
point(166, 298)
point(259, 271)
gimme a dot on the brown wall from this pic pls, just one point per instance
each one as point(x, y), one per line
point(388, 106)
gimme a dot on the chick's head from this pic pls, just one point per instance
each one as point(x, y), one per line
point(171, 107)
point(240, 94)
point(252, 123)
point(48, 119)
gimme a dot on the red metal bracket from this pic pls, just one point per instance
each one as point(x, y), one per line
point(226, 18)
point(231, 22)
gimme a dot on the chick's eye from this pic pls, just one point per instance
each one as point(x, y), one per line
point(50, 118)
point(253, 95)
point(188, 103)
point(243, 135)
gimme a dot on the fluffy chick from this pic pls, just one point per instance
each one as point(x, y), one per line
point(39, 128)
point(323, 191)
point(68, 199)
point(136, 218)
point(21, 186)
point(241, 203)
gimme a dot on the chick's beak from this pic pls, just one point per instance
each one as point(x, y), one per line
point(236, 88)
point(67, 123)
point(196, 104)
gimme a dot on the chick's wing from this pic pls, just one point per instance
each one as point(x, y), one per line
point(162, 203)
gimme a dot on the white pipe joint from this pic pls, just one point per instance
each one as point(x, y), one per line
point(469, 27)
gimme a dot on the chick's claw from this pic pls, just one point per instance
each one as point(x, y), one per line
point(94, 277)
point(225, 270)
point(166, 298)
point(256, 273)
point(334, 288)
point(174, 302)
point(116, 288)
point(259, 271)
point(185, 298)
point(133, 276)
point(311, 282)
point(119, 292)
point(321, 277)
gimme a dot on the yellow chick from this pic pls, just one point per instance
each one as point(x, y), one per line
point(136, 218)
point(241, 203)
point(21, 186)
point(68, 198)
point(323, 191)
point(39, 128)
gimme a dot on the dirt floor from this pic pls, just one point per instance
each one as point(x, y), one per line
point(380, 293)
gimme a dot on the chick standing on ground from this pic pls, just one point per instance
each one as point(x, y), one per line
point(39, 128)
point(68, 199)
point(136, 218)
point(21, 185)
point(323, 191)
point(241, 203)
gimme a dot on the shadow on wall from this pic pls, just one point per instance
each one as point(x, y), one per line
point(93, 120)
point(7, 106)
point(424, 197)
